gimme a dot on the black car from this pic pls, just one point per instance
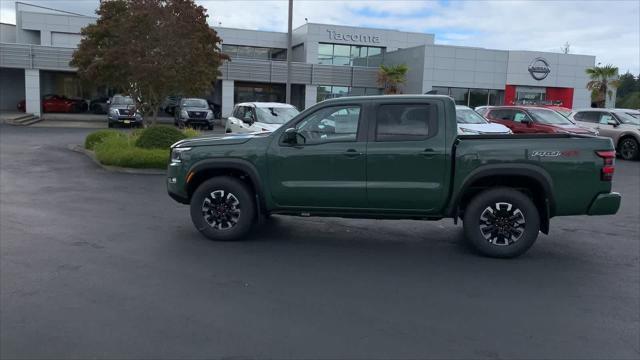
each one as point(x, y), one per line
point(193, 112)
point(99, 105)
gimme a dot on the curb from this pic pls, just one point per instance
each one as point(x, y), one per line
point(91, 155)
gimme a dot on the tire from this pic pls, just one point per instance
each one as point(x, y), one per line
point(235, 220)
point(629, 149)
point(209, 127)
point(510, 204)
point(110, 124)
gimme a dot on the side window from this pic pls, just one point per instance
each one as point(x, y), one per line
point(332, 124)
point(236, 112)
point(605, 118)
point(406, 122)
point(502, 114)
point(587, 116)
point(520, 116)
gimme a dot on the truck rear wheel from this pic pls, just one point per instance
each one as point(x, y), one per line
point(501, 222)
point(222, 208)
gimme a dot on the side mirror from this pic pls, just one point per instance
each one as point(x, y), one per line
point(612, 122)
point(527, 122)
point(290, 136)
point(248, 120)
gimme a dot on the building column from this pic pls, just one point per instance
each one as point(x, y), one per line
point(32, 91)
point(310, 95)
point(227, 98)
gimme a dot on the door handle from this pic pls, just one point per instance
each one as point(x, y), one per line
point(428, 153)
point(352, 153)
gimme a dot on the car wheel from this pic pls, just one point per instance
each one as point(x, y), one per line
point(209, 127)
point(501, 222)
point(223, 208)
point(110, 125)
point(629, 149)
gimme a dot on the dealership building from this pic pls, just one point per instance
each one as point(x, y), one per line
point(328, 61)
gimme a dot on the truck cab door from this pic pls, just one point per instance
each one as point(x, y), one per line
point(407, 158)
point(324, 168)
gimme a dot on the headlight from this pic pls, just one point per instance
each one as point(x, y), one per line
point(114, 112)
point(466, 131)
point(209, 115)
point(184, 114)
point(177, 154)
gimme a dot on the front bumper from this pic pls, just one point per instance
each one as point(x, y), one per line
point(175, 184)
point(605, 204)
point(198, 121)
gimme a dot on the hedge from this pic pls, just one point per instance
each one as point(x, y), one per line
point(120, 151)
point(159, 137)
point(97, 137)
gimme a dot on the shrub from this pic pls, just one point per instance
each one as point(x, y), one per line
point(190, 132)
point(119, 151)
point(99, 136)
point(159, 137)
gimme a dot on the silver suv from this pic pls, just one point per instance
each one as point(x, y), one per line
point(621, 125)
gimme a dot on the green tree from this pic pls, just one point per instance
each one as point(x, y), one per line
point(603, 79)
point(150, 49)
point(391, 77)
point(628, 84)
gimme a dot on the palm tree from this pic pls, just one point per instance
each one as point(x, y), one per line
point(391, 77)
point(603, 80)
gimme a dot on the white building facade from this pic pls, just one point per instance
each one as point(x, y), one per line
point(328, 61)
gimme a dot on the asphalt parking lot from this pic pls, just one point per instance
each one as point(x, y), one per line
point(96, 264)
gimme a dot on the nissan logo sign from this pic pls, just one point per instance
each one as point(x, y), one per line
point(539, 68)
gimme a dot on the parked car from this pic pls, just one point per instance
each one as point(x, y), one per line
point(193, 112)
point(534, 119)
point(123, 111)
point(52, 103)
point(472, 123)
point(169, 104)
point(393, 157)
point(621, 125)
point(259, 116)
point(99, 105)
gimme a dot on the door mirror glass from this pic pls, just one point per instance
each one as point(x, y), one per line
point(290, 136)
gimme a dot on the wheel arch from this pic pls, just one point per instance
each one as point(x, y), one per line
point(238, 168)
point(627, 135)
point(534, 181)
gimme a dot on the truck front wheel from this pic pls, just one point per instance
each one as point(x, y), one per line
point(501, 222)
point(222, 208)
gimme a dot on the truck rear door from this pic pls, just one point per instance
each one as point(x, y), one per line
point(406, 156)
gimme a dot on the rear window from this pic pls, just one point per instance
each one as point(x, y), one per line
point(406, 122)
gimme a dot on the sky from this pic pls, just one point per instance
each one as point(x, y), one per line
point(608, 29)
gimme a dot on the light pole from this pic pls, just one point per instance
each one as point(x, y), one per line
point(289, 55)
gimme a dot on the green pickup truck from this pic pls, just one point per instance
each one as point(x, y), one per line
point(394, 157)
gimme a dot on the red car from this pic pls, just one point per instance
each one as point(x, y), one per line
point(56, 103)
point(533, 119)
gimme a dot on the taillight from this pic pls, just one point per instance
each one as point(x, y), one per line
point(609, 157)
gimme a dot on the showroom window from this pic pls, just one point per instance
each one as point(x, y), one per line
point(330, 92)
point(254, 52)
point(471, 97)
point(354, 55)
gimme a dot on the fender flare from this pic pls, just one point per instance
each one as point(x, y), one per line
point(534, 172)
point(234, 164)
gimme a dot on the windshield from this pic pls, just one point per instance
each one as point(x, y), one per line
point(629, 118)
point(195, 103)
point(468, 116)
point(563, 112)
point(122, 100)
point(551, 117)
point(275, 115)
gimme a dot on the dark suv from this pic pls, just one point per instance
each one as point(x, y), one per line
point(193, 112)
point(534, 119)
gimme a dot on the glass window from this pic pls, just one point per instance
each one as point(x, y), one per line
point(404, 122)
point(605, 118)
point(337, 123)
point(275, 115)
point(339, 91)
point(440, 90)
point(546, 116)
point(468, 116)
point(325, 49)
point(374, 51)
point(200, 103)
point(278, 54)
point(501, 114)
point(245, 51)
point(261, 53)
point(628, 118)
point(341, 50)
point(496, 97)
point(520, 116)
point(587, 116)
point(341, 60)
point(231, 50)
point(355, 51)
point(323, 93)
point(325, 59)
point(478, 97)
point(460, 96)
